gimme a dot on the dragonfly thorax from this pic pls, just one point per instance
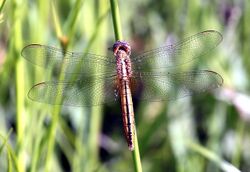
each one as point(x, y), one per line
point(123, 65)
point(122, 51)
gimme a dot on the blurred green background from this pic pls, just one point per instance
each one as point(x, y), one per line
point(208, 132)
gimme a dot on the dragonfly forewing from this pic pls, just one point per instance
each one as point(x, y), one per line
point(70, 62)
point(181, 53)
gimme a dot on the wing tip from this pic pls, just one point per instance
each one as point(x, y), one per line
point(217, 77)
point(28, 46)
point(219, 35)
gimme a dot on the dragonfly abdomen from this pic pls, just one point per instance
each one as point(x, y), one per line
point(127, 113)
point(124, 73)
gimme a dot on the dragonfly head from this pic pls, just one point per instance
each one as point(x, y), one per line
point(121, 45)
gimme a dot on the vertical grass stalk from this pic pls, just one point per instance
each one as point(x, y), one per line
point(118, 36)
point(116, 19)
point(99, 40)
point(16, 44)
point(57, 109)
point(2, 5)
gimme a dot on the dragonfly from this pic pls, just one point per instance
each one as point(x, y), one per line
point(105, 79)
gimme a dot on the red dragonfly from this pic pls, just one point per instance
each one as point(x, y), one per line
point(91, 79)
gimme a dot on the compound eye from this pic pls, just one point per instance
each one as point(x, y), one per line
point(120, 45)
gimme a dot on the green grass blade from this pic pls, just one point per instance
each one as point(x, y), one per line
point(116, 19)
point(118, 36)
point(225, 166)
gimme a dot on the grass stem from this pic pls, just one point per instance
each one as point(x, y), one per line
point(136, 155)
point(57, 109)
point(116, 19)
point(118, 36)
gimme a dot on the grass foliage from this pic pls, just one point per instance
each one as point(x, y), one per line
point(207, 132)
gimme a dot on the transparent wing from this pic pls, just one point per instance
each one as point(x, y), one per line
point(71, 62)
point(181, 53)
point(171, 86)
point(84, 92)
